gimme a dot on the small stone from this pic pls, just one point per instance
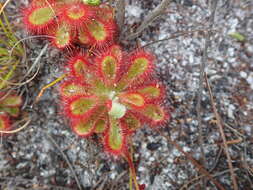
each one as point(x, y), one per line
point(153, 146)
point(243, 74)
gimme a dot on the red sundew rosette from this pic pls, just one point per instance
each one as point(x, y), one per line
point(76, 14)
point(39, 19)
point(115, 139)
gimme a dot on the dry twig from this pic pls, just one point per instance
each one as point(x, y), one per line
point(149, 19)
point(233, 177)
point(201, 86)
point(120, 13)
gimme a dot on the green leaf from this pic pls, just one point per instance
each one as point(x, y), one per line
point(62, 36)
point(83, 128)
point(100, 126)
point(131, 122)
point(115, 137)
point(82, 105)
point(11, 101)
point(92, 2)
point(109, 68)
point(12, 111)
point(75, 12)
point(41, 16)
point(73, 89)
point(80, 68)
point(238, 36)
point(153, 112)
point(97, 30)
point(133, 99)
point(150, 92)
point(139, 66)
point(3, 122)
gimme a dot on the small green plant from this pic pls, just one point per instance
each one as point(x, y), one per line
point(8, 63)
point(68, 22)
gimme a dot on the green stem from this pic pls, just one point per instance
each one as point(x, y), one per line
point(128, 157)
point(8, 75)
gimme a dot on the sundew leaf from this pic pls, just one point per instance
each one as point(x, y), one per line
point(115, 138)
point(11, 101)
point(97, 30)
point(79, 67)
point(150, 92)
point(92, 2)
point(83, 127)
point(100, 126)
point(4, 122)
point(70, 89)
point(109, 68)
point(12, 111)
point(83, 37)
point(134, 99)
point(62, 36)
point(75, 13)
point(41, 16)
point(132, 123)
point(140, 67)
point(154, 113)
point(81, 106)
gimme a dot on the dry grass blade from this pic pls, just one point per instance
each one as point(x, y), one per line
point(120, 13)
point(48, 86)
point(18, 129)
point(3, 6)
point(149, 19)
point(233, 177)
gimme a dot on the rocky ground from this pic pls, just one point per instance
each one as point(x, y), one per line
point(217, 38)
